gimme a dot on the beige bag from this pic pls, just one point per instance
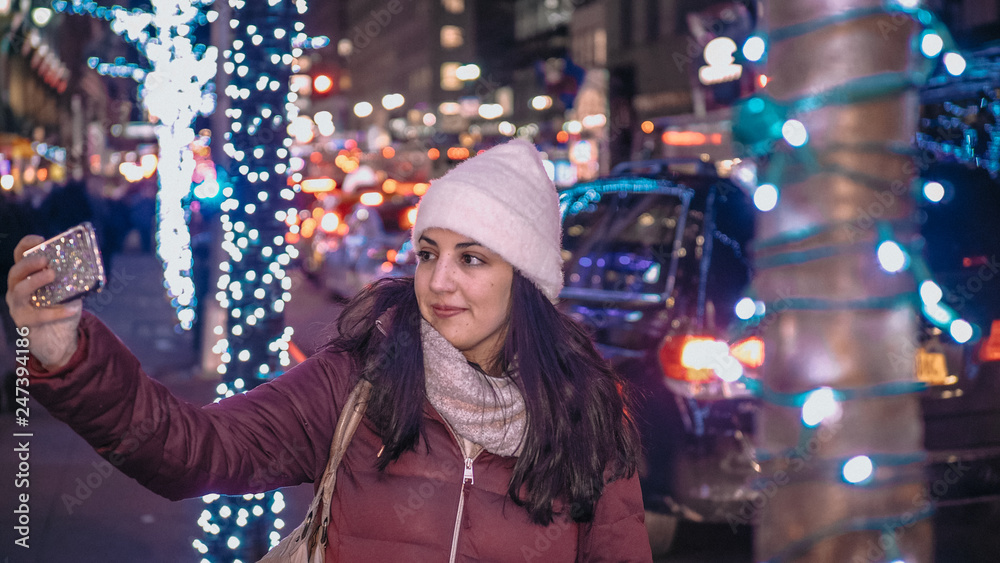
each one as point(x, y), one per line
point(307, 543)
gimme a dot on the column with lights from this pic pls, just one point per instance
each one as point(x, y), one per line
point(840, 275)
point(253, 286)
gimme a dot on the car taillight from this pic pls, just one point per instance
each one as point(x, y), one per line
point(989, 350)
point(699, 364)
point(749, 352)
point(703, 353)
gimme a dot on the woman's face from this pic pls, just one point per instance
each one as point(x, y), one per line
point(463, 290)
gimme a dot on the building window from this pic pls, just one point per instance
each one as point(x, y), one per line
point(600, 48)
point(420, 79)
point(451, 36)
point(454, 6)
point(449, 76)
point(590, 48)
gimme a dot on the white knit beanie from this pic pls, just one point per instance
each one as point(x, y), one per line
point(504, 200)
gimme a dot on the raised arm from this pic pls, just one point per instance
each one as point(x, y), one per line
point(275, 435)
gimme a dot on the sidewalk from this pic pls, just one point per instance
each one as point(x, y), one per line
point(78, 509)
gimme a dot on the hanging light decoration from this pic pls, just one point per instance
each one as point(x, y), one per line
point(175, 88)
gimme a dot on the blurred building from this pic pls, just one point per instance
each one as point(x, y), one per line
point(587, 80)
point(412, 66)
point(59, 118)
point(667, 98)
point(35, 102)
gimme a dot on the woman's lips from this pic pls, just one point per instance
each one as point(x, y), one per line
point(445, 312)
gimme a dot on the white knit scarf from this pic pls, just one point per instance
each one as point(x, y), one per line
point(486, 410)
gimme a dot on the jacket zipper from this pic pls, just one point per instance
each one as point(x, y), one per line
point(467, 479)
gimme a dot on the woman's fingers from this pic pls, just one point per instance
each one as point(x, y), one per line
point(34, 273)
point(24, 267)
point(53, 329)
point(24, 244)
point(26, 276)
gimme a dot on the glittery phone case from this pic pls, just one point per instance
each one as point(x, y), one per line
point(76, 259)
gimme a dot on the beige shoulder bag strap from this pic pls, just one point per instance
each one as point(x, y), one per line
point(307, 543)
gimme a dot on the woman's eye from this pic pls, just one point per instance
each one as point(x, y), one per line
point(472, 260)
point(423, 256)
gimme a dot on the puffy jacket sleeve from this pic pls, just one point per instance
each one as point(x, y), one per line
point(276, 435)
point(617, 532)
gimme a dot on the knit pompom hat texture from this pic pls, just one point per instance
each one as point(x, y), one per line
point(504, 200)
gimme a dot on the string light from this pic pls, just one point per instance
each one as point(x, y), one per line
point(745, 308)
point(931, 44)
point(794, 132)
point(760, 125)
point(954, 63)
point(930, 293)
point(754, 48)
point(961, 330)
point(820, 405)
point(933, 191)
point(765, 197)
point(175, 89)
point(891, 257)
point(858, 469)
point(253, 287)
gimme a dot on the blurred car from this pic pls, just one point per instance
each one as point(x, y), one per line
point(961, 406)
point(655, 262)
point(371, 241)
point(655, 265)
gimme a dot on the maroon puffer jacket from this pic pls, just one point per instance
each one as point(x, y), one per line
point(279, 435)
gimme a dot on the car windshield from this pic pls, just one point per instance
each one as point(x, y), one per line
point(638, 244)
point(620, 244)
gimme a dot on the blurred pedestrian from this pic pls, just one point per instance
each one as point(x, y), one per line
point(14, 221)
point(111, 218)
point(493, 429)
point(66, 206)
point(141, 200)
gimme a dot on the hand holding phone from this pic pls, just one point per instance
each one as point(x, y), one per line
point(51, 326)
point(76, 258)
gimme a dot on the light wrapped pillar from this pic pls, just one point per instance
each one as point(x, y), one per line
point(254, 285)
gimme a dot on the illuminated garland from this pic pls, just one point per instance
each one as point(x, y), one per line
point(175, 89)
point(254, 286)
point(768, 129)
point(761, 123)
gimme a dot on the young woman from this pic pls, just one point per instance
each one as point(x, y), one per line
point(494, 431)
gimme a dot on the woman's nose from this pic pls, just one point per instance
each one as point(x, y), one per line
point(442, 278)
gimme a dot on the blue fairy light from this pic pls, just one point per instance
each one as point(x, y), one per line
point(891, 257)
point(754, 48)
point(858, 470)
point(765, 197)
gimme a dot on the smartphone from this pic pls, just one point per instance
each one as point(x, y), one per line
point(76, 259)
